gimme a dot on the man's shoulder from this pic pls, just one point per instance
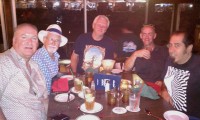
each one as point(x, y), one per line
point(4, 58)
point(84, 35)
point(40, 53)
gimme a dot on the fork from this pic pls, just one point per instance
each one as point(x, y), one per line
point(68, 98)
point(150, 114)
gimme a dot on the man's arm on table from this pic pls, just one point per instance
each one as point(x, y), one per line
point(165, 95)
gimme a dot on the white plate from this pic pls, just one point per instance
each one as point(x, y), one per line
point(122, 110)
point(88, 117)
point(175, 115)
point(66, 61)
point(63, 97)
point(97, 107)
point(81, 95)
point(74, 91)
point(128, 108)
point(116, 71)
point(69, 77)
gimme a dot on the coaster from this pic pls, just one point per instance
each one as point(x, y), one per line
point(119, 110)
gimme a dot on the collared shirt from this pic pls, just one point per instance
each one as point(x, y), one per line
point(48, 66)
point(23, 94)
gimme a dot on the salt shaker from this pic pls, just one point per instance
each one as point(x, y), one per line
point(92, 85)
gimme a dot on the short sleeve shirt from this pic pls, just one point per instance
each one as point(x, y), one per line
point(183, 85)
point(92, 52)
point(151, 69)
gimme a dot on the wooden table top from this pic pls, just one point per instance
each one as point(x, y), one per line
point(157, 107)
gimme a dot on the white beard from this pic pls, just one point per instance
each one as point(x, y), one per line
point(51, 48)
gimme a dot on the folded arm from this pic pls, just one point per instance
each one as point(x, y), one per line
point(130, 62)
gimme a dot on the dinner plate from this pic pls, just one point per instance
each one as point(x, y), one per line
point(63, 97)
point(97, 107)
point(74, 91)
point(175, 115)
point(66, 61)
point(88, 117)
point(128, 108)
point(69, 77)
point(116, 71)
point(121, 111)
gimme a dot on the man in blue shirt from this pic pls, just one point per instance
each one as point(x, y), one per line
point(47, 56)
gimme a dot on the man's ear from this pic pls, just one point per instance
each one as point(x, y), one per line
point(140, 35)
point(189, 48)
point(13, 41)
point(155, 35)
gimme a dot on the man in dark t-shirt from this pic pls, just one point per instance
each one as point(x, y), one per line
point(149, 61)
point(91, 48)
point(182, 76)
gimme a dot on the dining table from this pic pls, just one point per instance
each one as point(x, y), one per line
point(72, 108)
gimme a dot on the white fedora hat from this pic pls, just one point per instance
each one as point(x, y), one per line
point(54, 28)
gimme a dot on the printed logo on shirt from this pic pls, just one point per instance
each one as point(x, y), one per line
point(176, 81)
point(129, 46)
point(93, 55)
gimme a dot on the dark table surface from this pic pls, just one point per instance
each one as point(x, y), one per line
point(157, 107)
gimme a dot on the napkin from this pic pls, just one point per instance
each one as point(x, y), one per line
point(157, 88)
point(60, 85)
point(149, 92)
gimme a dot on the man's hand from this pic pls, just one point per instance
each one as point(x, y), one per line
point(143, 53)
point(2, 117)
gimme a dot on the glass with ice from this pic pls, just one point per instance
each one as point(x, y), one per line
point(134, 101)
point(89, 96)
point(78, 84)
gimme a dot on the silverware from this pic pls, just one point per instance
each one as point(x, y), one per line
point(150, 114)
point(68, 98)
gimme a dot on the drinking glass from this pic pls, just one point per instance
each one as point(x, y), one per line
point(111, 100)
point(78, 84)
point(89, 96)
point(108, 65)
point(134, 101)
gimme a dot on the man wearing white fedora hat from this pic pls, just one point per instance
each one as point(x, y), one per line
point(47, 56)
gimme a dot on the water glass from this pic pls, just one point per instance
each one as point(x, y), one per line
point(134, 101)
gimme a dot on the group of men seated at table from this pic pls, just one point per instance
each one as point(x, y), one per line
point(26, 73)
